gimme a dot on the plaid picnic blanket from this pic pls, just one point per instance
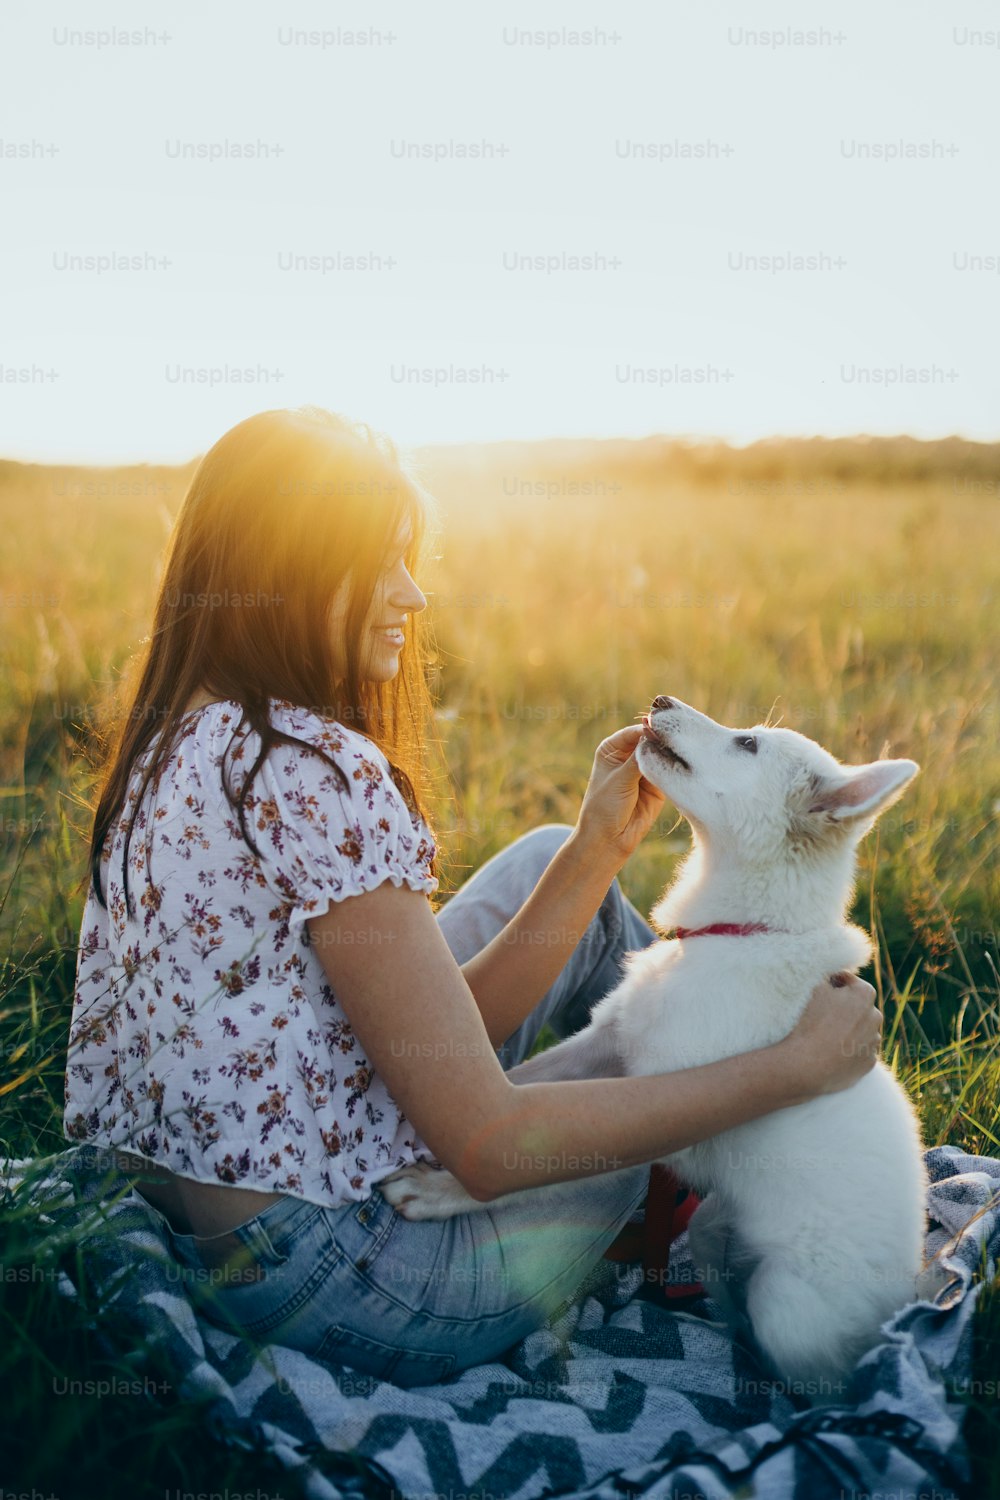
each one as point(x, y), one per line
point(615, 1396)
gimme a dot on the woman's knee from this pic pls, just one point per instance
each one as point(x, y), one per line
point(531, 853)
point(543, 842)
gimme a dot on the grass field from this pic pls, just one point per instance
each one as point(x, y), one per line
point(849, 589)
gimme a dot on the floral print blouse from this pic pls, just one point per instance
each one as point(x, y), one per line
point(204, 1034)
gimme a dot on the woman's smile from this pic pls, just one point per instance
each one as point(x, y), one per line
point(391, 634)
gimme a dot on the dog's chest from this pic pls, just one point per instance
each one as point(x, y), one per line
point(708, 998)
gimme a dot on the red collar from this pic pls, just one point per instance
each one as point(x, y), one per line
point(723, 929)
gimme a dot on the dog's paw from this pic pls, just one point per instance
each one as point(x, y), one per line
point(425, 1191)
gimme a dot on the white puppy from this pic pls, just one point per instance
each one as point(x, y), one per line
point(813, 1221)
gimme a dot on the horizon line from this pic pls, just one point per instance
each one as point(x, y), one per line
point(679, 440)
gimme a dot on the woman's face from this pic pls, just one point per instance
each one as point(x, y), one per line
point(396, 596)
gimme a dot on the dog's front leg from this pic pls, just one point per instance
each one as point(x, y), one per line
point(427, 1191)
point(590, 1053)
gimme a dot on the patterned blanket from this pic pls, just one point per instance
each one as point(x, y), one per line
point(615, 1396)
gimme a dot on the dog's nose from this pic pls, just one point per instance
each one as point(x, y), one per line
point(661, 702)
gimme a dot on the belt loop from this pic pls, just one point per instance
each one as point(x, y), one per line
point(255, 1237)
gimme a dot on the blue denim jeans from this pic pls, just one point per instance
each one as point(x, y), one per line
point(415, 1302)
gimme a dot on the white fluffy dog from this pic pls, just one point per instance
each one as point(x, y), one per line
point(811, 1233)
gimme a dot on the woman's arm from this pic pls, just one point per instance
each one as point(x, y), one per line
point(513, 972)
point(417, 1021)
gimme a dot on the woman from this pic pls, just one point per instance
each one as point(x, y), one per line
point(269, 1019)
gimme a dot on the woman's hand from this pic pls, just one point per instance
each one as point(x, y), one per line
point(619, 806)
point(838, 1036)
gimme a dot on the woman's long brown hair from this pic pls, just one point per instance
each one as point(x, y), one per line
point(284, 508)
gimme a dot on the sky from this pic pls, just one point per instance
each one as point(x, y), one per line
point(466, 222)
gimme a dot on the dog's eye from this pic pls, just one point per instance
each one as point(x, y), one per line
point(747, 742)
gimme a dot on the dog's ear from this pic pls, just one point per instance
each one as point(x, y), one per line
point(860, 792)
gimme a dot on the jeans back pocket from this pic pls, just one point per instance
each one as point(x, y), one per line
point(270, 1236)
point(298, 1256)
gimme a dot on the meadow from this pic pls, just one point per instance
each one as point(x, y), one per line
point(849, 589)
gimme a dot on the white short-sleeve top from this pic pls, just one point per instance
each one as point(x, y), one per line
point(204, 1034)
